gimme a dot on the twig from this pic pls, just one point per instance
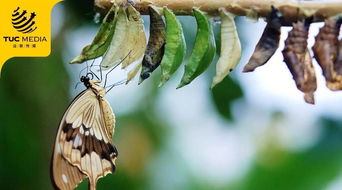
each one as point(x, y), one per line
point(292, 10)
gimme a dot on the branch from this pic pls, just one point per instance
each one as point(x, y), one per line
point(292, 10)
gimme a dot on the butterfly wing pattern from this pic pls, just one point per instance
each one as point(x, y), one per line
point(83, 146)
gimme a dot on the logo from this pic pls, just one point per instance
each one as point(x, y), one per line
point(25, 28)
point(23, 22)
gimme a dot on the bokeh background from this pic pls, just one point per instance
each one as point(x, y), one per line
point(252, 132)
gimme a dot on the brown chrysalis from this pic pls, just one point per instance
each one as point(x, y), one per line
point(298, 60)
point(326, 52)
point(338, 61)
point(156, 45)
point(268, 43)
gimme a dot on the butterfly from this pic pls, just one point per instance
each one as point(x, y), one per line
point(83, 146)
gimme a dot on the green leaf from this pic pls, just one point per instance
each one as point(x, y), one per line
point(313, 169)
point(224, 94)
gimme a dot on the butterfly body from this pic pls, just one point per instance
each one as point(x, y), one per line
point(83, 146)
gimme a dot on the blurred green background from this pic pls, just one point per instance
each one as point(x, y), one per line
point(252, 132)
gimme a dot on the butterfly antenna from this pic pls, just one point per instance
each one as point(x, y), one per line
point(104, 55)
point(95, 75)
point(91, 74)
point(105, 83)
point(77, 84)
point(90, 70)
point(100, 72)
point(92, 63)
point(87, 66)
point(79, 75)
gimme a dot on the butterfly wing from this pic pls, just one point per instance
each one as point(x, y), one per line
point(83, 140)
point(64, 175)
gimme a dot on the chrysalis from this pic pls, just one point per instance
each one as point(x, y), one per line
point(230, 53)
point(156, 45)
point(268, 43)
point(298, 60)
point(137, 38)
point(118, 49)
point(203, 51)
point(128, 42)
point(83, 146)
point(175, 47)
point(132, 73)
point(338, 62)
point(102, 39)
point(326, 50)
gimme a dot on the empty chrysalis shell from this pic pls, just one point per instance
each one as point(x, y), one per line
point(118, 49)
point(129, 41)
point(136, 40)
point(230, 47)
point(298, 60)
point(326, 53)
point(102, 39)
point(132, 73)
point(338, 61)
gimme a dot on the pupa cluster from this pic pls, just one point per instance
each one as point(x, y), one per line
point(327, 52)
